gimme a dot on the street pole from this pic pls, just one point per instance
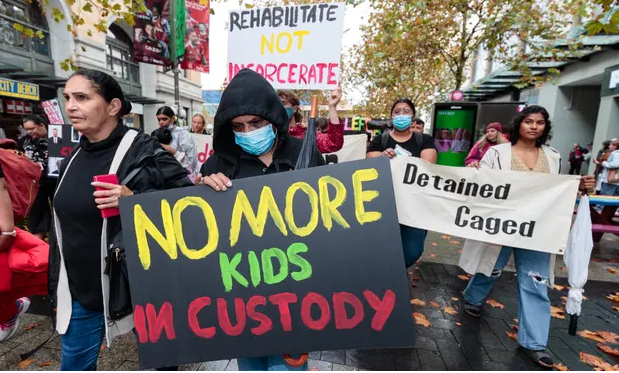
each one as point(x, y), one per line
point(177, 94)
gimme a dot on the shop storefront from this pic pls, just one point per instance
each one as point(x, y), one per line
point(17, 99)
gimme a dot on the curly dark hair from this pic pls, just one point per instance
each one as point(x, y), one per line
point(514, 131)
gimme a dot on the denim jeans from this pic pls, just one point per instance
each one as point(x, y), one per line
point(532, 268)
point(273, 363)
point(413, 241)
point(610, 189)
point(82, 341)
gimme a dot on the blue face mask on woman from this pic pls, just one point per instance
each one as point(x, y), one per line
point(290, 112)
point(402, 122)
point(256, 142)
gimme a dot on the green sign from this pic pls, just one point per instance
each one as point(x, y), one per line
point(453, 135)
point(13, 88)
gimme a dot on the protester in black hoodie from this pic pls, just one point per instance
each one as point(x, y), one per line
point(251, 139)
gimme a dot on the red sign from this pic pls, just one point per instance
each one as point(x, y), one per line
point(28, 108)
point(197, 36)
point(18, 107)
point(456, 96)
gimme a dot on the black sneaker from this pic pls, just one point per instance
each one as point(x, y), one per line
point(472, 309)
point(540, 357)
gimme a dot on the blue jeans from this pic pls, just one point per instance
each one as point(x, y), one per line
point(82, 341)
point(274, 363)
point(413, 241)
point(532, 268)
point(610, 189)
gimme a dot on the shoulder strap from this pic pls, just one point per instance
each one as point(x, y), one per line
point(418, 139)
point(384, 140)
point(123, 147)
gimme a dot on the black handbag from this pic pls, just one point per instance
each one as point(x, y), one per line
point(119, 304)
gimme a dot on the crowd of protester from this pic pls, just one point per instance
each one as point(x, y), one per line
point(256, 131)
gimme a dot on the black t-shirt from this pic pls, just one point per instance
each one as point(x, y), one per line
point(411, 145)
point(80, 219)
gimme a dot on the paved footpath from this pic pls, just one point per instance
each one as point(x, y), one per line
point(452, 342)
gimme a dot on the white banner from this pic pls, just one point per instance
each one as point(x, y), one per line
point(293, 47)
point(353, 149)
point(525, 210)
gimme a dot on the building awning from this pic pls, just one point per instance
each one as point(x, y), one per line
point(502, 81)
point(144, 100)
point(13, 72)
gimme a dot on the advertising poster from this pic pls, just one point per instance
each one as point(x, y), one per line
point(196, 36)
point(293, 47)
point(453, 133)
point(152, 34)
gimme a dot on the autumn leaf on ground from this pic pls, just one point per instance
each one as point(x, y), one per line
point(420, 319)
point(103, 347)
point(561, 367)
point(454, 242)
point(31, 326)
point(434, 244)
point(455, 299)
point(458, 324)
point(597, 362)
point(513, 336)
point(45, 364)
point(314, 370)
point(495, 304)
point(591, 335)
point(417, 302)
point(514, 328)
point(563, 269)
point(608, 349)
point(614, 297)
point(463, 277)
point(559, 287)
point(432, 255)
point(611, 270)
point(415, 278)
point(515, 320)
point(450, 310)
point(615, 308)
point(446, 237)
point(460, 251)
point(609, 337)
point(434, 304)
point(25, 363)
point(557, 313)
point(410, 273)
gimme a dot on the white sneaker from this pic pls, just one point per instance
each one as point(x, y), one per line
point(10, 327)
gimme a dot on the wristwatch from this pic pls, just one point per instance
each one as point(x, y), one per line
point(13, 233)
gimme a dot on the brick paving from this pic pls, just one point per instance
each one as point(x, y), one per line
point(453, 342)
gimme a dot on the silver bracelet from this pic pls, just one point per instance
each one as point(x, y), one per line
point(13, 233)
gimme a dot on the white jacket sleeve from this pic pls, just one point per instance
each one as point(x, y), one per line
point(187, 146)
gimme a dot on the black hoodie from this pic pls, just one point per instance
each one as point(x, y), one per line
point(250, 94)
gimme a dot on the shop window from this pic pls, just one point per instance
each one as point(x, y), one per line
point(27, 16)
point(119, 54)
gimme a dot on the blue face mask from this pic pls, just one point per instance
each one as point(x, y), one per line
point(290, 112)
point(256, 142)
point(402, 122)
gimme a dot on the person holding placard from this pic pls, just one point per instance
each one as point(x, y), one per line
point(251, 139)
point(330, 141)
point(525, 152)
point(404, 142)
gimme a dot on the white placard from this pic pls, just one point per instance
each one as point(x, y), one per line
point(293, 47)
point(517, 209)
point(53, 112)
point(204, 146)
point(353, 149)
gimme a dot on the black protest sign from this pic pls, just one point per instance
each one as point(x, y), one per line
point(300, 261)
point(61, 139)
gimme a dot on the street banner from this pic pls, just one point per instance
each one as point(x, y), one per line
point(152, 34)
point(52, 111)
point(293, 47)
point(197, 36)
point(284, 263)
point(353, 149)
point(61, 139)
point(517, 209)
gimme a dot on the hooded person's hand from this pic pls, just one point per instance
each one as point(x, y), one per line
point(218, 182)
